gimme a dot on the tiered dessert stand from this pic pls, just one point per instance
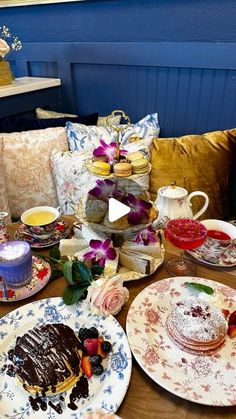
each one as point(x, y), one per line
point(121, 232)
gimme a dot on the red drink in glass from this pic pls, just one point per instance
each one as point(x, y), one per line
point(186, 233)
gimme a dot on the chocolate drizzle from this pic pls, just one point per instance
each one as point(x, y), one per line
point(47, 355)
point(80, 390)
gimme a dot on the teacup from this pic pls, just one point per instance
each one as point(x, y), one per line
point(40, 221)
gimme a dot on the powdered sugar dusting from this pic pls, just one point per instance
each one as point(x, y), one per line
point(198, 320)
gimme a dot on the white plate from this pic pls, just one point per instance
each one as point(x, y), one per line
point(209, 380)
point(105, 392)
point(220, 225)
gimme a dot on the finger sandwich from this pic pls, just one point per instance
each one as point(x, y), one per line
point(151, 249)
point(138, 262)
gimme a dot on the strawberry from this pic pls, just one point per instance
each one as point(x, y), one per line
point(99, 350)
point(232, 331)
point(232, 318)
point(86, 366)
point(91, 346)
point(225, 312)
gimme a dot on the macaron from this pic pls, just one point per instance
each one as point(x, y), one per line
point(140, 166)
point(101, 168)
point(100, 158)
point(122, 169)
point(136, 155)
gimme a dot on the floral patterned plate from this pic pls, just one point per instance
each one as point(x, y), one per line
point(61, 231)
point(205, 254)
point(105, 392)
point(209, 380)
point(41, 272)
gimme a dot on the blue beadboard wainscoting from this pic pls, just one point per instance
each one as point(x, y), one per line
point(191, 85)
point(173, 57)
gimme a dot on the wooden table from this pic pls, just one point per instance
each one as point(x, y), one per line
point(145, 399)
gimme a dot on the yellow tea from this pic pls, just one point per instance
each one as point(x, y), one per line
point(38, 218)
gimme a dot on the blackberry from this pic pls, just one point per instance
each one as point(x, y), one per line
point(97, 369)
point(93, 332)
point(83, 334)
point(96, 359)
point(106, 346)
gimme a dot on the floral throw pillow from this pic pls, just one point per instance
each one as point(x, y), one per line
point(72, 178)
point(81, 137)
point(26, 157)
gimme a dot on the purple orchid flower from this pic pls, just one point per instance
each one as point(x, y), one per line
point(108, 150)
point(106, 189)
point(146, 236)
point(101, 250)
point(138, 209)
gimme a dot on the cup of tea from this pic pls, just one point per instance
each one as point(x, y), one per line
point(15, 262)
point(40, 221)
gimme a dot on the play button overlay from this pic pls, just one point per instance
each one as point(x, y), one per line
point(108, 203)
point(116, 210)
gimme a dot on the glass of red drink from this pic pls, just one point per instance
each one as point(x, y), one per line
point(186, 234)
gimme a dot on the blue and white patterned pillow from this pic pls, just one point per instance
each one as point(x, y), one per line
point(82, 137)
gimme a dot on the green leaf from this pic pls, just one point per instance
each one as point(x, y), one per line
point(73, 293)
point(68, 273)
point(200, 287)
point(81, 271)
point(55, 274)
point(55, 253)
point(96, 270)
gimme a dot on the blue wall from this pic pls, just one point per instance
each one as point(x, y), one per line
point(125, 20)
point(174, 57)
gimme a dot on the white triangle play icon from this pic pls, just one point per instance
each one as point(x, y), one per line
point(116, 210)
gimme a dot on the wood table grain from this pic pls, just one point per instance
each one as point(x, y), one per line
point(145, 399)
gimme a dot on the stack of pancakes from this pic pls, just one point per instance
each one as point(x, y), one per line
point(196, 326)
point(47, 359)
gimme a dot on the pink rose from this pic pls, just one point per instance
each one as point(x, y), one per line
point(99, 414)
point(107, 296)
point(4, 48)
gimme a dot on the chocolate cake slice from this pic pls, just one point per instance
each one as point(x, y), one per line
point(47, 359)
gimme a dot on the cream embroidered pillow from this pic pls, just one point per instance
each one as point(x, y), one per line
point(26, 157)
point(102, 120)
point(4, 207)
point(46, 114)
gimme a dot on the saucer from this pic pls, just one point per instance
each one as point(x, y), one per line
point(41, 272)
point(226, 258)
point(61, 231)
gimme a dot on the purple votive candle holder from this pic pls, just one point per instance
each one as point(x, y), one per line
point(16, 262)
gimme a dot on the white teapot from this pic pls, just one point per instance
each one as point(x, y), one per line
point(173, 202)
